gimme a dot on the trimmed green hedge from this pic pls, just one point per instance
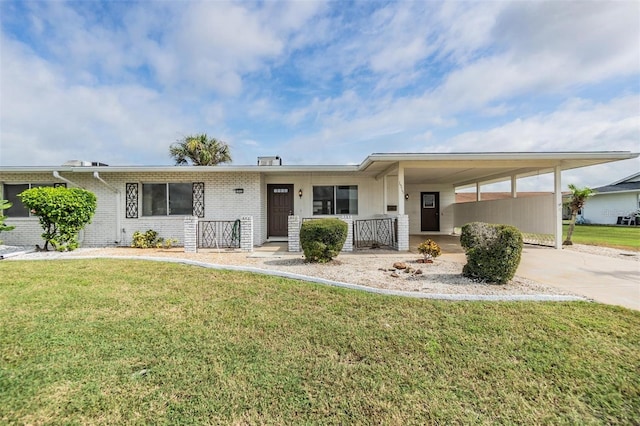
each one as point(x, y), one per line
point(493, 251)
point(322, 239)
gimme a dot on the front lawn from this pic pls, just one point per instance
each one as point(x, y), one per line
point(137, 342)
point(625, 237)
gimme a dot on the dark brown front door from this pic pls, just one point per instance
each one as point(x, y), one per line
point(279, 207)
point(430, 208)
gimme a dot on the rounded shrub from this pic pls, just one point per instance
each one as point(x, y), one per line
point(493, 251)
point(322, 239)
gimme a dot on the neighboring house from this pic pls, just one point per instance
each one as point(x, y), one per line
point(612, 202)
point(402, 193)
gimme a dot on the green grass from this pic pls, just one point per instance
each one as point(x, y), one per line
point(625, 237)
point(136, 342)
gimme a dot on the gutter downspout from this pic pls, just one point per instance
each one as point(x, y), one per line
point(57, 176)
point(117, 194)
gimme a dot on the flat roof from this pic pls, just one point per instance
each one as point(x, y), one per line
point(459, 169)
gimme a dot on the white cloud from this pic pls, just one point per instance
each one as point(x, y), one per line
point(47, 121)
point(118, 82)
point(577, 125)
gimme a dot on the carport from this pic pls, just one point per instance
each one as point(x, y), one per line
point(423, 185)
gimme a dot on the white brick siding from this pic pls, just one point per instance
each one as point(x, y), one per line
point(111, 227)
point(221, 203)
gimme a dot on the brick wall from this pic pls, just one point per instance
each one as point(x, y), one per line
point(294, 233)
point(110, 226)
point(403, 232)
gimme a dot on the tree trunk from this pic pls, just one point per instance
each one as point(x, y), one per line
point(572, 225)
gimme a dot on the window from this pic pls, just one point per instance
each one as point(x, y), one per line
point(162, 199)
point(10, 193)
point(342, 199)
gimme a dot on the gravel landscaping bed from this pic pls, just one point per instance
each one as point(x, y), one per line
point(369, 268)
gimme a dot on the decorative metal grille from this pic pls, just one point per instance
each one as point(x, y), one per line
point(59, 184)
point(538, 239)
point(371, 233)
point(198, 199)
point(219, 234)
point(132, 201)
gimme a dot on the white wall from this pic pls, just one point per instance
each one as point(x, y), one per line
point(413, 207)
point(221, 203)
point(369, 192)
point(606, 207)
point(529, 214)
point(28, 230)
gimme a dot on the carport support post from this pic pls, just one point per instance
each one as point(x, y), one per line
point(400, 189)
point(557, 216)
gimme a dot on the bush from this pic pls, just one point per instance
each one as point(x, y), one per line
point(429, 249)
point(493, 251)
point(62, 212)
point(322, 239)
point(150, 239)
point(4, 204)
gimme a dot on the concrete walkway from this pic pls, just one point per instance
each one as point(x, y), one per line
point(601, 278)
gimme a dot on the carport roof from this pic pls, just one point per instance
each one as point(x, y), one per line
point(458, 169)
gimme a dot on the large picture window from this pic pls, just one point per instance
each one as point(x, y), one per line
point(10, 193)
point(341, 199)
point(162, 199)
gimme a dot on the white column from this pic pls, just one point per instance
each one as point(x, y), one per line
point(514, 188)
point(348, 244)
point(557, 214)
point(385, 195)
point(246, 233)
point(478, 194)
point(294, 233)
point(403, 232)
point(401, 189)
point(190, 239)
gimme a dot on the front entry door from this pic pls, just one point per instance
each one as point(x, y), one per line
point(279, 208)
point(430, 211)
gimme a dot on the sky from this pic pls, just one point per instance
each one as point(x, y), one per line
point(319, 82)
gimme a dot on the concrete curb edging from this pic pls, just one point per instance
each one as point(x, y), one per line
point(16, 253)
point(386, 292)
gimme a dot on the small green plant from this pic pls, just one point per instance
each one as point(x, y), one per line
point(151, 239)
point(493, 251)
point(62, 212)
point(429, 249)
point(322, 239)
point(4, 204)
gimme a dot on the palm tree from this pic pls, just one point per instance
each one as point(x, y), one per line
point(200, 150)
point(578, 198)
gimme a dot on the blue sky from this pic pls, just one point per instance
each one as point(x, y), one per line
point(318, 82)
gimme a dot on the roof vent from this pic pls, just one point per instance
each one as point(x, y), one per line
point(270, 161)
point(79, 163)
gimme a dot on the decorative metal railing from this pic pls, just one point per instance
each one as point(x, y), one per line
point(374, 233)
point(219, 234)
point(538, 239)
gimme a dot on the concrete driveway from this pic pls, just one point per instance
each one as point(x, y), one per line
point(604, 279)
point(615, 281)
